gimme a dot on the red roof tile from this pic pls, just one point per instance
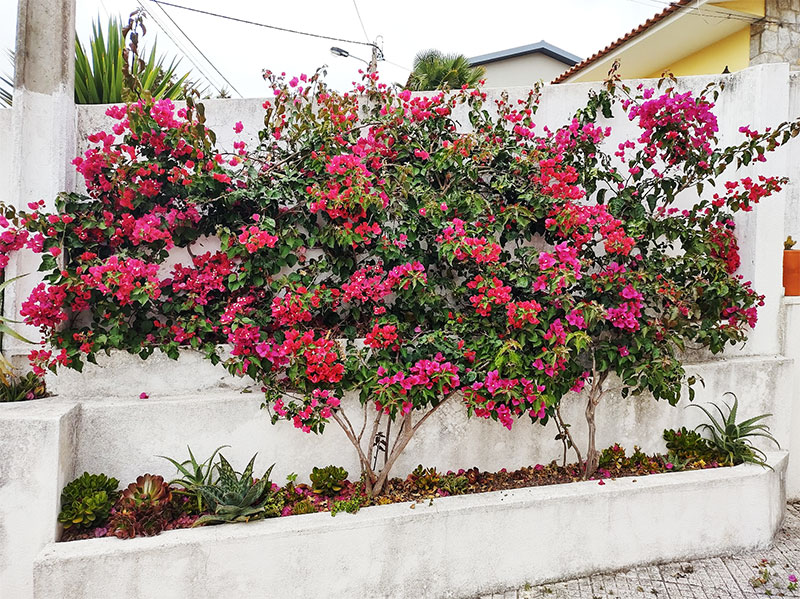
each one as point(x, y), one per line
point(672, 8)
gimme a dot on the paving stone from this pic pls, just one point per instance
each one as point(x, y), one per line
point(727, 577)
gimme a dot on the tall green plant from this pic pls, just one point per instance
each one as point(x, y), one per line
point(99, 71)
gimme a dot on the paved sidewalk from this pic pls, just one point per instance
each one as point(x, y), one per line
point(733, 577)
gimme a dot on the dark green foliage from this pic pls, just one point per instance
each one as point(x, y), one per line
point(613, 458)
point(239, 498)
point(99, 75)
point(328, 481)
point(86, 502)
point(732, 440)
point(144, 508)
point(435, 70)
point(687, 444)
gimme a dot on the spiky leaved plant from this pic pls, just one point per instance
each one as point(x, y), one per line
point(143, 508)
point(239, 498)
point(734, 440)
point(194, 474)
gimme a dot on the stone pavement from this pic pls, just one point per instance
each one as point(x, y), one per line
point(763, 573)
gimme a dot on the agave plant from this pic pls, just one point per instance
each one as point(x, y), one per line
point(238, 498)
point(734, 441)
point(194, 474)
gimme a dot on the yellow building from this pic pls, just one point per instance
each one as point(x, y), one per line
point(698, 37)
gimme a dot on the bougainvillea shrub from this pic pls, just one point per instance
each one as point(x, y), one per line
point(372, 243)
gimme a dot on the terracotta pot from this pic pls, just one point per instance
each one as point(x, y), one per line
point(791, 272)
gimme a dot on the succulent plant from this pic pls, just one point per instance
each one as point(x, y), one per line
point(143, 509)
point(193, 475)
point(612, 458)
point(687, 444)
point(734, 440)
point(86, 502)
point(425, 479)
point(454, 484)
point(239, 498)
point(305, 506)
point(328, 481)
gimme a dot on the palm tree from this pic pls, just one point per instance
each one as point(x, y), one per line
point(434, 70)
point(99, 77)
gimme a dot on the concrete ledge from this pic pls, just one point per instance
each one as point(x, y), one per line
point(37, 452)
point(455, 547)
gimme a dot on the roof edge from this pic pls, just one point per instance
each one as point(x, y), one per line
point(649, 23)
point(541, 47)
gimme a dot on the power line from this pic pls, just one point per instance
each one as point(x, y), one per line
point(702, 12)
point(275, 27)
point(397, 65)
point(213, 66)
point(360, 20)
point(182, 49)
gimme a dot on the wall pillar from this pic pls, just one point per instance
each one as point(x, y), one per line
point(43, 125)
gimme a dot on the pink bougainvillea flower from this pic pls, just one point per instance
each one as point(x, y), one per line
point(143, 395)
point(238, 127)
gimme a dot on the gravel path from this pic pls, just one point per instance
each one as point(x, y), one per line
point(762, 573)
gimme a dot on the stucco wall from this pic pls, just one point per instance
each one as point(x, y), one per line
point(523, 70)
point(468, 546)
point(122, 435)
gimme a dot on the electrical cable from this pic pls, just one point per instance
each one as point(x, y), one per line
point(275, 27)
point(213, 66)
point(182, 49)
point(701, 12)
point(360, 20)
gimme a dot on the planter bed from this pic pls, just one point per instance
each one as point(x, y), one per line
point(452, 547)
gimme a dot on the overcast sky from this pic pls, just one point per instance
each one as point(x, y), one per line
point(241, 51)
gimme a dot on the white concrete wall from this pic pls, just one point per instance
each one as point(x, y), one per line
point(466, 546)
point(791, 345)
point(37, 445)
point(122, 435)
point(523, 70)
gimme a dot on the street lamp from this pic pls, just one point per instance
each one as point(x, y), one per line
point(372, 65)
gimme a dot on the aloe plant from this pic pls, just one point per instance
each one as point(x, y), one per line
point(734, 440)
point(239, 498)
point(194, 474)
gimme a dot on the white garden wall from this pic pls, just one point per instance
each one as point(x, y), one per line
point(122, 435)
point(454, 547)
